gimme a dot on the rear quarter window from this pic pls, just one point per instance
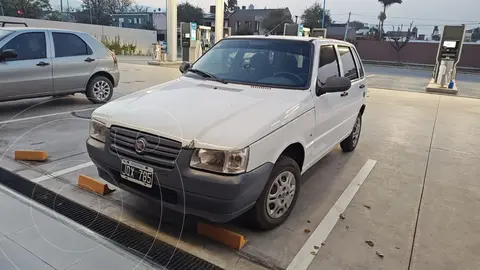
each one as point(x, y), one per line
point(359, 62)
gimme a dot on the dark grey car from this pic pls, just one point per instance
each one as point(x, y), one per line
point(39, 62)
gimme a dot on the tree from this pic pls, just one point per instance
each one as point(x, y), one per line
point(275, 21)
point(55, 15)
point(189, 13)
point(117, 6)
point(232, 5)
point(476, 34)
point(312, 16)
point(381, 17)
point(399, 40)
point(357, 25)
point(138, 8)
point(34, 9)
point(386, 4)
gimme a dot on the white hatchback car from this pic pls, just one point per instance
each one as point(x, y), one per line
point(234, 134)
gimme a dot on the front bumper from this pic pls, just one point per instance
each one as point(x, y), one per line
point(215, 197)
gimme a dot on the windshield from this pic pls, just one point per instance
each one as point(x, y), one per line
point(4, 33)
point(266, 62)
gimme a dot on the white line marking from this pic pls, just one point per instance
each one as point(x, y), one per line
point(41, 116)
point(304, 257)
point(370, 75)
point(61, 172)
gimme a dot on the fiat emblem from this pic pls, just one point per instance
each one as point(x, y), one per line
point(140, 145)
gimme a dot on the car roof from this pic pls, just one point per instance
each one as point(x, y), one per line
point(29, 29)
point(316, 40)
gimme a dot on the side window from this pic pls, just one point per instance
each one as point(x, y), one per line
point(359, 63)
point(67, 44)
point(28, 46)
point(349, 66)
point(328, 66)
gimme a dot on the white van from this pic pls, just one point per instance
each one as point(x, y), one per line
point(236, 131)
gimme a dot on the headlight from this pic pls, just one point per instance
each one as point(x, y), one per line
point(98, 130)
point(231, 162)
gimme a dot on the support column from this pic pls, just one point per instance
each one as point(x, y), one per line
point(219, 15)
point(172, 30)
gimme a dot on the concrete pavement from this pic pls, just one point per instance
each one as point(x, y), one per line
point(32, 238)
point(415, 80)
point(419, 204)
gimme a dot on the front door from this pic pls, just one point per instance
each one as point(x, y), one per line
point(30, 73)
point(328, 109)
point(73, 63)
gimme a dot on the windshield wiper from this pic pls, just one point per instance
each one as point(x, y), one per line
point(208, 75)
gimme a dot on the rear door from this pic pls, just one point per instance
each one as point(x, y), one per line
point(30, 74)
point(73, 63)
point(328, 109)
point(350, 99)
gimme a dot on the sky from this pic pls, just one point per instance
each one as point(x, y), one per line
point(424, 13)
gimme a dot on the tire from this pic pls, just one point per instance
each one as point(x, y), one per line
point(259, 214)
point(99, 90)
point(351, 142)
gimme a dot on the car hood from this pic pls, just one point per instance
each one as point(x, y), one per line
point(205, 113)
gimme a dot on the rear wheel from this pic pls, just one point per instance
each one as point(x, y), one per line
point(279, 195)
point(99, 90)
point(350, 143)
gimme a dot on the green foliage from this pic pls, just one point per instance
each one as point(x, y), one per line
point(55, 16)
point(383, 15)
point(189, 13)
point(126, 48)
point(102, 10)
point(34, 9)
point(387, 3)
point(312, 16)
point(232, 4)
point(476, 34)
point(275, 21)
point(357, 25)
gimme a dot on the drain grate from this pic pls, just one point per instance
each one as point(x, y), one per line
point(143, 244)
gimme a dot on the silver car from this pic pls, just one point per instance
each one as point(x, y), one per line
point(39, 62)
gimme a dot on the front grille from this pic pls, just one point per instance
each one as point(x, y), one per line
point(160, 152)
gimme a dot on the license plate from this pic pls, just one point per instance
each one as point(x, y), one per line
point(137, 173)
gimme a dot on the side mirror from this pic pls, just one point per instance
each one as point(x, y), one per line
point(8, 53)
point(184, 67)
point(333, 85)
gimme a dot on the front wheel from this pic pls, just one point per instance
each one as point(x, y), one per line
point(350, 143)
point(99, 90)
point(279, 195)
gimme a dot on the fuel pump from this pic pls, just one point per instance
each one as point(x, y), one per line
point(306, 32)
point(189, 41)
point(204, 33)
point(227, 31)
point(292, 29)
point(318, 32)
point(448, 56)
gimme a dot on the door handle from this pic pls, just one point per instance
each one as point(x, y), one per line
point(361, 86)
point(89, 60)
point(43, 64)
point(344, 94)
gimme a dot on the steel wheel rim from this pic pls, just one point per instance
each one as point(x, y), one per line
point(101, 90)
point(280, 195)
point(356, 131)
